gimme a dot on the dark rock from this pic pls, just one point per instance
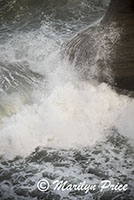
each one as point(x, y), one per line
point(107, 50)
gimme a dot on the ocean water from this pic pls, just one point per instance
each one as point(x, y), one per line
point(53, 124)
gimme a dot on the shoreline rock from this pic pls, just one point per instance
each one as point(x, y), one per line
point(106, 52)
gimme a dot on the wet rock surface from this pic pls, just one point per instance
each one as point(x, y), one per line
point(106, 51)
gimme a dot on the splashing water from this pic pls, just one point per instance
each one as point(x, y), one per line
point(66, 112)
point(62, 126)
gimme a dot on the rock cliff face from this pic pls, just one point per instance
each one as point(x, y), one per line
point(106, 51)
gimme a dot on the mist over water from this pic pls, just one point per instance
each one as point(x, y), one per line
point(47, 111)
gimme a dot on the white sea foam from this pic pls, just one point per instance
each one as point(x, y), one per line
point(71, 115)
point(67, 112)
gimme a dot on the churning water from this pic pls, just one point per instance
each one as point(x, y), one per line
point(54, 125)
